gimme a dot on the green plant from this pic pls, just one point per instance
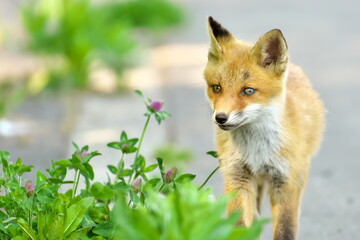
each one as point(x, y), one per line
point(185, 213)
point(135, 203)
point(78, 33)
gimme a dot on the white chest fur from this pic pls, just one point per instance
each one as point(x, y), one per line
point(259, 144)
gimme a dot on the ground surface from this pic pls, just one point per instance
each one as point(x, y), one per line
point(323, 38)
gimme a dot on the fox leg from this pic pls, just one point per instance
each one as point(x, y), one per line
point(285, 208)
point(245, 199)
point(261, 189)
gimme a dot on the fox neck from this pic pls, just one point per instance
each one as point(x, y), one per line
point(260, 141)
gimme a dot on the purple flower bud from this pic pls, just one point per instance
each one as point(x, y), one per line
point(171, 174)
point(137, 185)
point(157, 105)
point(124, 146)
point(30, 189)
point(85, 153)
point(29, 186)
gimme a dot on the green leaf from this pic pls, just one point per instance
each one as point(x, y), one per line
point(213, 153)
point(4, 155)
point(87, 158)
point(75, 159)
point(158, 117)
point(126, 172)
point(82, 167)
point(125, 145)
point(21, 168)
point(24, 168)
point(161, 168)
point(58, 181)
point(122, 186)
point(144, 177)
point(100, 237)
point(250, 233)
point(116, 145)
point(18, 162)
point(89, 170)
point(29, 203)
point(142, 198)
point(146, 100)
point(85, 149)
point(140, 163)
point(104, 229)
point(185, 178)
point(63, 163)
point(149, 111)
point(19, 238)
point(101, 191)
point(153, 182)
point(77, 149)
point(79, 234)
point(40, 178)
point(88, 221)
point(41, 224)
point(129, 149)
point(123, 136)
point(46, 195)
point(55, 227)
point(26, 228)
point(132, 142)
point(151, 168)
point(134, 197)
point(165, 114)
point(160, 164)
point(3, 216)
point(75, 214)
point(112, 169)
point(99, 213)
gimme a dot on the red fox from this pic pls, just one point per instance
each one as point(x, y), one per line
point(270, 123)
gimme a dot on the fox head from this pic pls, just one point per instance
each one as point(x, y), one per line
point(244, 83)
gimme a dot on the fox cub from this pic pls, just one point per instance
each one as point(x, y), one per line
point(270, 123)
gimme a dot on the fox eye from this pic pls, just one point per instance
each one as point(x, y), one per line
point(216, 88)
point(248, 91)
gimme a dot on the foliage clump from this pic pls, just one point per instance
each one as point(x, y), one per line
point(139, 200)
point(78, 33)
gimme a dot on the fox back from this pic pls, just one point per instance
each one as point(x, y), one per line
point(270, 123)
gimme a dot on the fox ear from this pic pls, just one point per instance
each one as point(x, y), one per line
point(218, 34)
point(271, 51)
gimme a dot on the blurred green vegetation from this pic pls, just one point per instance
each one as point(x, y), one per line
point(185, 213)
point(79, 33)
point(174, 155)
point(10, 95)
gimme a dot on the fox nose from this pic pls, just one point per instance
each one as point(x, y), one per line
point(221, 118)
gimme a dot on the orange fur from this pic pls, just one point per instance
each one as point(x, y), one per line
point(265, 140)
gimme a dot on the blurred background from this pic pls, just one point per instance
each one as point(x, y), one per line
point(68, 69)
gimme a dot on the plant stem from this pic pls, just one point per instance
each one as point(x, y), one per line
point(76, 182)
point(118, 167)
point(162, 186)
point(140, 142)
point(207, 179)
point(142, 136)
point(31, 211)
point(30, 218)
